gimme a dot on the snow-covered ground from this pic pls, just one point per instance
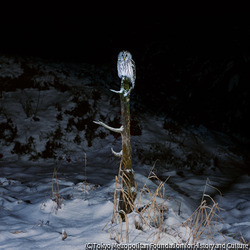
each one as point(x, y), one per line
point(46, 127)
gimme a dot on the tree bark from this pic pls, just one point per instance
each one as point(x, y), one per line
point(128, 195)
point(128, 191)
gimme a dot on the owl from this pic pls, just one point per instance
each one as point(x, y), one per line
point(126, 66)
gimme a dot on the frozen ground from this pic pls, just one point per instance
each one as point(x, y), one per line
point(47, 109)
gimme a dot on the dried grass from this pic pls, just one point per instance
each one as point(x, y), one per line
point(204, 219)
point(85, 177)
point(151, 215)
point(119, 216)
point(55, 194)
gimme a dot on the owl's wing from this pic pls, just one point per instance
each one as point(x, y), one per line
point(119, 68)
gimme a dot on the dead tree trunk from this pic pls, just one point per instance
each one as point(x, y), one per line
point(128, 195)
point(128, 191)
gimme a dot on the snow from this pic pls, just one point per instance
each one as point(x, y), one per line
point(60, 108)
point(117, 130)
point(118, 91)
point(10, 68)
point(119, 154)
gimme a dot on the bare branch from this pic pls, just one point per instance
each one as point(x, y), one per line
point(117, 130)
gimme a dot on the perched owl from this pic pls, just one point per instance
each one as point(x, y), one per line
point(126, 66)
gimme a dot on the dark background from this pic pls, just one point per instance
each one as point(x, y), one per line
point(194, 69)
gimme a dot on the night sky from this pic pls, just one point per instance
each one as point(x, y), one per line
point(82, 38)
point(186, 66)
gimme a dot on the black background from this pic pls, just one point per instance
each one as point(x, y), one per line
point(185, 64)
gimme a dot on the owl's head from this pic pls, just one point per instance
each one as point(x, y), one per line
point(124, 55)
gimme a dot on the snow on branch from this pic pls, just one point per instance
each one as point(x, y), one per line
point(127, 92)
point(117, 91)
point(122, 91)
point(116, 154)
point(117, 130)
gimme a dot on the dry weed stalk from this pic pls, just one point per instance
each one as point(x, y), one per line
point(152, 213)
point(204, 219)
point(55, 190)
point(85, 177)
point(126, 196)
point(119, 214)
